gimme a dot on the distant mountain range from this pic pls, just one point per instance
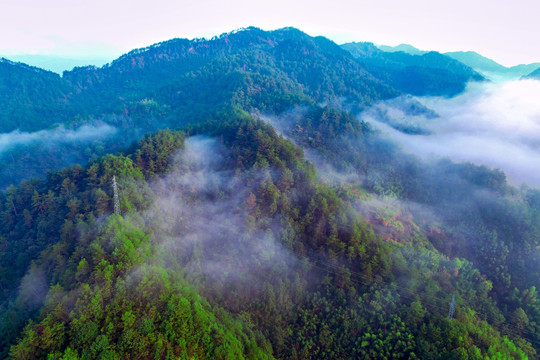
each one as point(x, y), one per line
point(406, 48)
point(473, 59)
point(430, 73)
point(484, 64)
point(535, 74)
point(59, 64)
point(183, 81)
point(178, 72)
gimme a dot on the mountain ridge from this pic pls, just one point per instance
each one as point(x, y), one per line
point(471, 59)
point(483, 63)
point(148, 69)
point(431, 73)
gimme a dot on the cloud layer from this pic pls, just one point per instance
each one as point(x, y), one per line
point(57, 135)
point(494, 124)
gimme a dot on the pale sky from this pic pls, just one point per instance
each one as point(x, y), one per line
point(506, 31)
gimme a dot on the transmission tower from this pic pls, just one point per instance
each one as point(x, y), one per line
point(451, 312)
point(116, 199)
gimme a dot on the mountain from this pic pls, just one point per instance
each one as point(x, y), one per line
point(406, 48)
point(305, 66)
point(483, 64)
point(281, 54)
point(314, 67)
point(171, 84)
point(222, 199)
point(429, 74)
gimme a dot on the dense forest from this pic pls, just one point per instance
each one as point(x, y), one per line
point(258, 216)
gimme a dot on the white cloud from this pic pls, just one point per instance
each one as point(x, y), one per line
point(494, 124)
point(57, 135)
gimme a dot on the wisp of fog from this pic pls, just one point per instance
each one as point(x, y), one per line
point(492, 123)
point(201, 217)
point(56, 135)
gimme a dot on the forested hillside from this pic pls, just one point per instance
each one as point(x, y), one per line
point(31, 98)
point(250, 60)
point(482, 63)
point(258, 217)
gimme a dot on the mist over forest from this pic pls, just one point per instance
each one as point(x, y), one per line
point(495, 124)
point(275, 195)
point(84, 133)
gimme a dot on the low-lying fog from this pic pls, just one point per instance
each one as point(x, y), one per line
point(85, 133)
point(491, 123)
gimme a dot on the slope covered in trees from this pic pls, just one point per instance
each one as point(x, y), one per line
point(289, 269)
point(495, 228)
point(31, 98)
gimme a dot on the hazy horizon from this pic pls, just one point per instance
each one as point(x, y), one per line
point(59, 62)
point(105, 29)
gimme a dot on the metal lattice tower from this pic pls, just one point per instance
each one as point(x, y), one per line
point(452, 309)
point(116, 199)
